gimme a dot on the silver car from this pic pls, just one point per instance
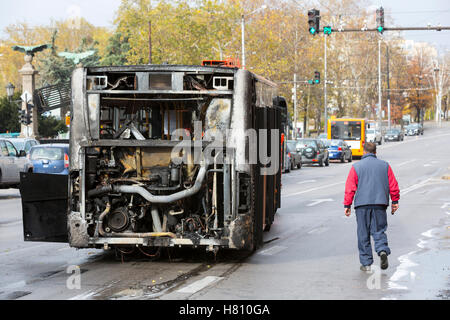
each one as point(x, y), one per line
point(12, 163)
point(23, 143)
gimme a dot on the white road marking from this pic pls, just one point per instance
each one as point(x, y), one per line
point(306, 181)
point(91, 293)
point(316, 202)
point(427, 165)
point(200, 284)
point(10, 224)
point(445, 205)
point(22, 249)
point(15, 285)
point(272, 250)
point(406, 162)
point(414, 187)
point(319, 230)
point(314, 189)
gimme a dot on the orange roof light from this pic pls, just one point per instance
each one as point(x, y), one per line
point(228, 63)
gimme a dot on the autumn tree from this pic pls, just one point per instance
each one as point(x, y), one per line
point(116, 50)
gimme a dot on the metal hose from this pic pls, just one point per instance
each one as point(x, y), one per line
point(165, 198)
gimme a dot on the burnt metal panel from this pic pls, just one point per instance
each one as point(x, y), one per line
point(54, 97)
point(161, 68)
point(44, 207)
point(260, 200)
point(270, 179)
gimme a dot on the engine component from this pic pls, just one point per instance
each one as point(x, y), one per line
point(156, 220)
point(118, 220)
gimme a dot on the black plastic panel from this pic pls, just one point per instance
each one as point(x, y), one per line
point(44, 207)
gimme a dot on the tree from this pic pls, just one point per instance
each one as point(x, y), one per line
point(68, 39)
point(54, 69)
point(50, 127)
point(418, 76)
point(9, 115)
point(116, 51)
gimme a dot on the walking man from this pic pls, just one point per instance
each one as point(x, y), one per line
point(370, 183)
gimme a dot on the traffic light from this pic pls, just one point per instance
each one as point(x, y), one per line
point(380, 20)
point(29, 119)
point(313, 21)
point(23, 117)
point(327, 30)
point(316, 77)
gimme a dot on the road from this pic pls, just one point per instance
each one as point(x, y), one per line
point(310, 252)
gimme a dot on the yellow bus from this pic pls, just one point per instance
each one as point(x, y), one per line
point(351, 130)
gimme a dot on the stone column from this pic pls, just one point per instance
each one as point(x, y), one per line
point(28, 73)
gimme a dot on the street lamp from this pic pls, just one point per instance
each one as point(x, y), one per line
point(243, 32)
point(10, 90)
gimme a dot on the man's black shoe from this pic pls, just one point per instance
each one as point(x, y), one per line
point(384, 260)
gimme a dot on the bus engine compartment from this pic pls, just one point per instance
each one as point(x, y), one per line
point(159, 157)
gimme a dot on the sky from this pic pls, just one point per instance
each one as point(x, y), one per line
point(405, 13)
point(418, 13)
point(41, 12)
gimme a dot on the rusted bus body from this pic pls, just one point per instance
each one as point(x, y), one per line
point(145, 168)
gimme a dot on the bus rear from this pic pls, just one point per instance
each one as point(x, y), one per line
point(351, 131)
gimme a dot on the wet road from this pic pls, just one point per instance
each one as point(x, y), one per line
point(310, 252)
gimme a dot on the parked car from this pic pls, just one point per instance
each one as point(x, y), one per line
point(12, 163)
point(287, 161)
point(296, 156)
point(50, 158)
point(23, 143)
point(373, 135)
point(394, 135)
point(414, 129)
point(340, 150)
point(313, 151)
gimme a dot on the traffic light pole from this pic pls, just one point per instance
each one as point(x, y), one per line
point(389, 29)
point(325, 123)
point(295, 105)
point(388, 89)
point(379, 84)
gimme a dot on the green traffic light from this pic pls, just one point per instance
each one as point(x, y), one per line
point(317, 81)
point(312, 30)
point(310, 81)
point(380, 29)
point(327, 30)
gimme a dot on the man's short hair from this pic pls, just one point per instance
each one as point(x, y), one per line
point(370, 147)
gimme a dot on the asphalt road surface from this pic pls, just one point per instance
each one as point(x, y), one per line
point(310, 252)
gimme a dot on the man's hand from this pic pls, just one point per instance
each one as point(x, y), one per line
point(348, 211)
point(394, 208)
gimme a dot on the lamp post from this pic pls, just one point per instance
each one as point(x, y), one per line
point(243, 32)
point(10, 91)
point(437, 85)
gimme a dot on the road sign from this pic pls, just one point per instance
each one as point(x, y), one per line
point(26, 97)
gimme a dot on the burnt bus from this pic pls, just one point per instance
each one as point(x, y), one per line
point(145, 166)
